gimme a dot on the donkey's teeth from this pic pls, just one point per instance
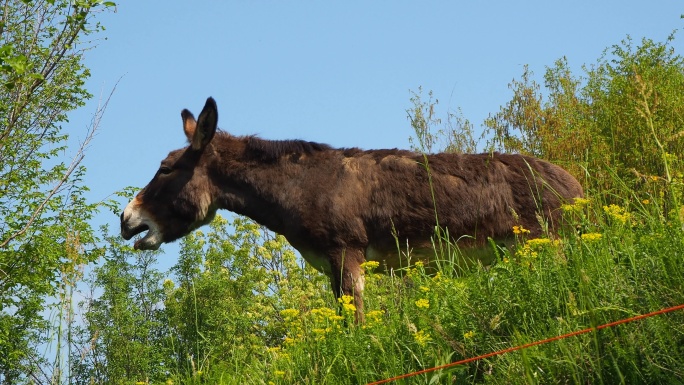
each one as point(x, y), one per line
point(151, 241)
point(127, 233)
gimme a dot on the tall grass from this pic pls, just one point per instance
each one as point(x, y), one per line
point(625, 260)
point(620, 254)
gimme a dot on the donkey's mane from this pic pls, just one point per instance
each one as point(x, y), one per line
point(271, 150)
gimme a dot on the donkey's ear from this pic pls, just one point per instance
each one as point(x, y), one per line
point(205, 128)
point(189, 124)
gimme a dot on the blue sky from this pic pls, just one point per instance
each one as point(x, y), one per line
point(337, 72)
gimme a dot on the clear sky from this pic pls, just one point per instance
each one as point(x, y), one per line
point(337, 72)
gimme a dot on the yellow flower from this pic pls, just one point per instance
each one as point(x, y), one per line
point(347, 305)
point(419, 264)
point(324, 315)
point(538, 242)
point(568, 208)
point(618, 213)
point(645, 201)
point(422, 338)
point(591, 237)
point(169, 382)
point(526, 252)
point(468, 335)
point(369, 266)
point(582, 201)
point(519, 230)
point(424, 289)
point(374, 316)
point(289, 314)
point(323, 311)
point(577, 206)
point(437, 277)
point(423, 303)
point(279, 373)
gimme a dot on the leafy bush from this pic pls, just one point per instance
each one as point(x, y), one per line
point(624, 116)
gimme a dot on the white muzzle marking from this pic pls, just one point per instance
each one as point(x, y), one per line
point(134, 218)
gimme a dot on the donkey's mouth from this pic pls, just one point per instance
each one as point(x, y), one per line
point(150, 241)
point(130, 233)
point(135, 220)
point(133, 232)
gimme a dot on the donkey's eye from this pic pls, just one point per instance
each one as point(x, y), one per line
point(164, 170)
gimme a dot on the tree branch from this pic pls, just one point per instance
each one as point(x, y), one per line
point(75, 162)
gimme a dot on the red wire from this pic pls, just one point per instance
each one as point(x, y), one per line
point(525, 346)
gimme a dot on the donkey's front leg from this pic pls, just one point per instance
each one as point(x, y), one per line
point(347, 277)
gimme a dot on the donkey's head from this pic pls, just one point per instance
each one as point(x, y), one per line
point(180, 197)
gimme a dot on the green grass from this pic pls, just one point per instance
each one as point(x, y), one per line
point(627, 261)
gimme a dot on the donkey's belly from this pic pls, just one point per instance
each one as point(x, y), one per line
point(394, 259)
point(319, 261)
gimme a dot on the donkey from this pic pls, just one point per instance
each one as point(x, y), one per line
point(341, 207)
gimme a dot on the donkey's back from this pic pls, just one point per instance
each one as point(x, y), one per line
point(381, 197)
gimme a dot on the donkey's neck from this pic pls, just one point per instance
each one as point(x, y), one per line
point(269, 182)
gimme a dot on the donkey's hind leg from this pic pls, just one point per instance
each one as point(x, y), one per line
point(347, 278)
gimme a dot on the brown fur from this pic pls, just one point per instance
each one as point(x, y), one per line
point(339, 207)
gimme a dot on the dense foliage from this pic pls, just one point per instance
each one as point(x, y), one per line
point(240, 309)
point(623, 116)
point(44, 230)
